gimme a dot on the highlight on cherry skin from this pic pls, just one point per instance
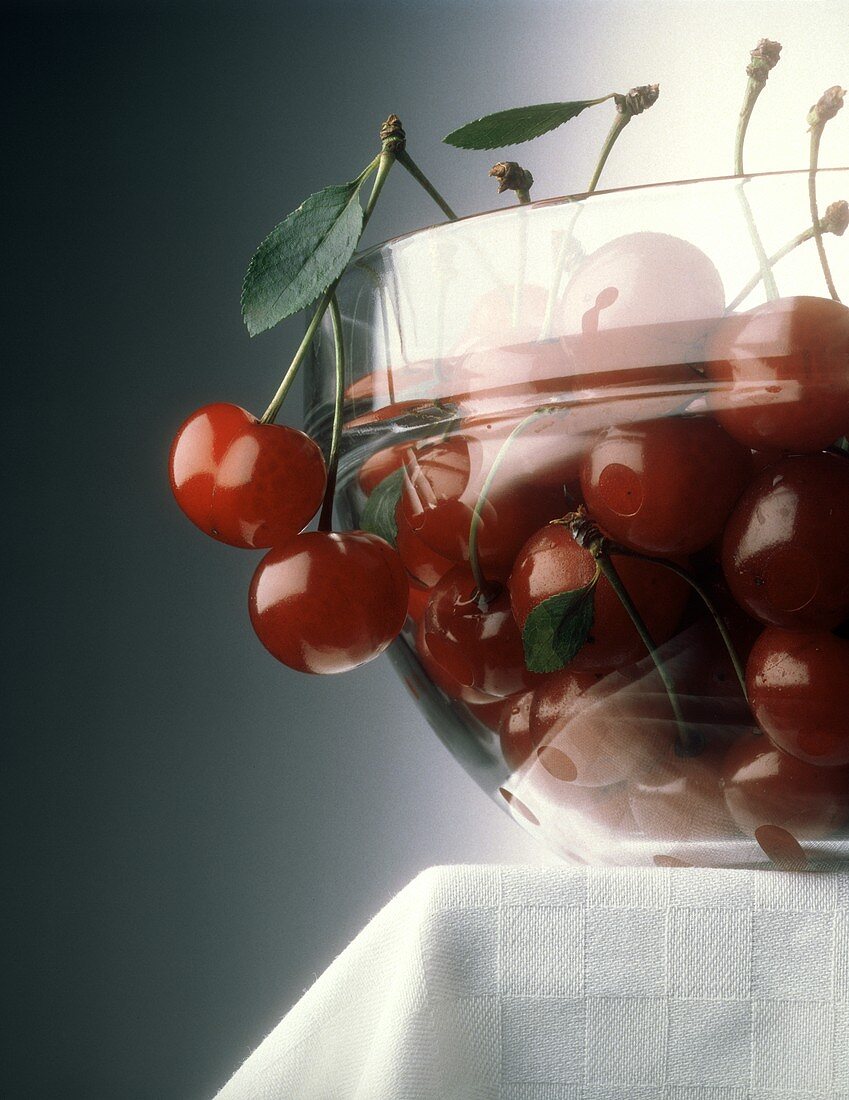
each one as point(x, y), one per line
point(328, 602)
point(246, 483)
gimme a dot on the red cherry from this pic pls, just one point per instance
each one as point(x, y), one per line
point(444, 482)
point(780, 373)
point(765, 787)
point(475, 642)
point(786, 544)
point(379, 466)
point(492, 713)
point(424, 566)
point(245, 483)
point(329, 602)
point(666, 486)
point(796, 683)
point(442, 678)
point(643, 300)
point(551, 562)
point(595, 731)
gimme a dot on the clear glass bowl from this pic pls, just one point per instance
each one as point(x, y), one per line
point(619, 352)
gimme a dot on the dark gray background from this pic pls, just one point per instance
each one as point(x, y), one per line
point(194, 831)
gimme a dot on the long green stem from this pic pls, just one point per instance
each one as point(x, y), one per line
point(383, 162)
point(764, 58)
point(739, 670)
point(325, 522)
point(816, 135)
point(772, 260)
point(619, 124)
point(691, 742)
point(406, 161)
point(483, 586)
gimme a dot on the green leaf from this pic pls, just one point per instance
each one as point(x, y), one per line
point(379, 512)
point(301, 256)
point(516, 125)
point(557, 628)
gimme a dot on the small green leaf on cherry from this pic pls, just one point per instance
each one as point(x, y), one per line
point(302, 256)
point(379, 512)
point(557, 628)
point(516, 125)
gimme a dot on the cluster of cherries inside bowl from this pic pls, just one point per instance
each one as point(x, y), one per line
point(688, 435)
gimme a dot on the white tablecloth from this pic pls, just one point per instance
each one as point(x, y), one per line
point(535, 983)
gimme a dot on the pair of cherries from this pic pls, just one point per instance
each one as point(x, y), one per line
point(320, 601)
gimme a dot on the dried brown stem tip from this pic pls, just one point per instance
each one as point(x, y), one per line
point(827, 106)
point(836, 218)
point(392, 135)
point(764, 57)
point(511, 176)
point(637, 100)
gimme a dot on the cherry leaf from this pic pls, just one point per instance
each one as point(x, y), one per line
point(516, 125)
point(557, 628)
point(379, 512)
point(301, 256)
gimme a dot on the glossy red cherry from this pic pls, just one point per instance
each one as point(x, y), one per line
point(243, 482)
point(379, 466)
point(444, 482)
point(551, 562)
point(329, 602)
point(780, 373)
point(661, 293)
point(666, 486)
point(764, 786)
point(475, 641)
point(786, 544)
point(797, 687)
point(595, 730)
point(424, 566)
point(440, 676)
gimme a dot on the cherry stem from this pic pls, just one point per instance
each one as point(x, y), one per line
point(635, 102)
point(325, 522)
point(624, 551)
point(619, 124)
point(772, 260)
point(484, 587)
point(406, 161)
point(383, 163)
point(690, 741)
point(816, 227)
point(764, 58)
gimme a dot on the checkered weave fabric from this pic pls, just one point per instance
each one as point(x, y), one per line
point(541, 983)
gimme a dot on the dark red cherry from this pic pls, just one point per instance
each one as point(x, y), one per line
point(786, 544)
point(444, 482)
point(329, 602)
point(680, 799)
point(424, 566)
point(797, 687)
point(379, 466)
point(666, 486)
point(440, 676)
point(780, 373)
point(475, 641)
point(551, 562)
point(245, 483)
point(764, 786)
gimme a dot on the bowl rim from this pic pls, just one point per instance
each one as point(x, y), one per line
point(579, 196)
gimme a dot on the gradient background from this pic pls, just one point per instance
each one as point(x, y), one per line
point(194, 832)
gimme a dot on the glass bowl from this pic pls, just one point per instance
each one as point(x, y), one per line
point(550, 405)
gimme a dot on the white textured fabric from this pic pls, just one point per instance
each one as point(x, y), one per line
point(528, 983)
